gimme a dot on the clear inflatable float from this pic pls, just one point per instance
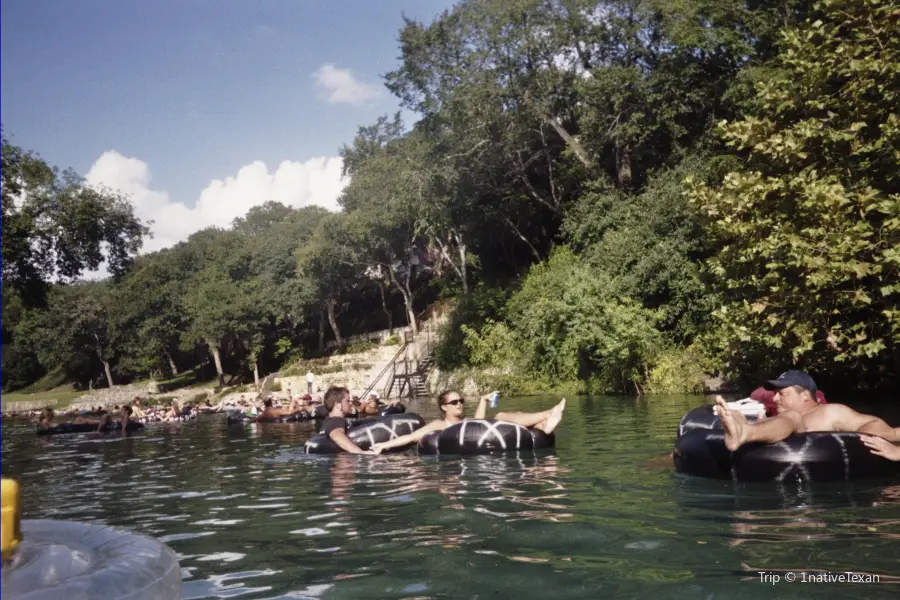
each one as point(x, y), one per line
point(48, 559)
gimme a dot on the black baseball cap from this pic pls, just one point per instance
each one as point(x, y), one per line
point(790, 378)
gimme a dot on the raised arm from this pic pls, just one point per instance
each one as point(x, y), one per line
point(481, 411)
point(409, 438)
point(282, 412)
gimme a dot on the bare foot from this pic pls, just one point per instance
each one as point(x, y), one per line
point(734, 424)
point(555, 416)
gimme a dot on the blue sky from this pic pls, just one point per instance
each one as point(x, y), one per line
point(173, 95)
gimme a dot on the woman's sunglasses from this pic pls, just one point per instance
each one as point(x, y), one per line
point(455, 402)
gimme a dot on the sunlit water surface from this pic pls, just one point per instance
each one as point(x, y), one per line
point(251, 517)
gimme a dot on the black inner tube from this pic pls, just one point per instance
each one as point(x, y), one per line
point(484, 436)
point(370, 431)
point(805, 457)
point(64, 428)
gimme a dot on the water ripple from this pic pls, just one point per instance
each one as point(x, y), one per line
point(253, 517)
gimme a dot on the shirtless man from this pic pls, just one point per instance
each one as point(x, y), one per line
point(274, 413)
point(452, 405)
point(370, 407)
point(798, 412)
point(47, 419)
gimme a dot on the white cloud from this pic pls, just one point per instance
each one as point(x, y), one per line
point(316, 181)
point(341, 86)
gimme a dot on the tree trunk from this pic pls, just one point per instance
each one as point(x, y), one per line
point(461, 269)
point(512, 226)
point(390, 317)
point(99, 350)
point(462, 264)
point(322, 330)
point(407, 298)
point(623, 166)
point(172, 364)
point(332, 320)
point(573, 143)
point(214, 350)
point(109, 378)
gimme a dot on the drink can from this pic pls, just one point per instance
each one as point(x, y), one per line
point(494, 400)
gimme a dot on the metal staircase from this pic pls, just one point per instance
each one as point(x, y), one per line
point(392, 366)
point(419, 379)
point(408, 371)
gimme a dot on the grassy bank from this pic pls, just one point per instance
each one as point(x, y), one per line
point(62, 396)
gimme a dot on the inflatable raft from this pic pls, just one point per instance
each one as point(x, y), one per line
point(485, 436)
point(367, 432)
point(804, 457)
point(53, 560)
point(114, 427)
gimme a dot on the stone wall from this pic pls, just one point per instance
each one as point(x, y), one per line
point(379, 337)
point(109, 397)
point(453, 380)
point(362, 368)
point(359, 370)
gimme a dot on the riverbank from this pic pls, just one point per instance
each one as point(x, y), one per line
point(17, 403)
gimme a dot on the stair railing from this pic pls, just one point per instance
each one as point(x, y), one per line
point(384, 370)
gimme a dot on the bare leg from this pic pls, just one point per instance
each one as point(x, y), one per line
point(738, 431)
point(545, 421)
point(103, 421)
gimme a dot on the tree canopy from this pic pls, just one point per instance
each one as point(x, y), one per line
point(620, 196)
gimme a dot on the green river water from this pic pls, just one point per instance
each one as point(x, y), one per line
point(603, 513)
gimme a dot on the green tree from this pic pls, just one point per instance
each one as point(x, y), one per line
point(810, 226)
point(387, 198)
point(147, 315)
point(652, 244)
point(73, 333)
point(220, 301)
point(56, 226)
point(322, 264)
point(577, 325)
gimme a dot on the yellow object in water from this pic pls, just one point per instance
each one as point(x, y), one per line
point(11, 532)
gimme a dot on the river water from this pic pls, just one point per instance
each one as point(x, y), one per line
point(605, 512)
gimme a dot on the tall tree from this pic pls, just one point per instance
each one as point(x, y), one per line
point(321, 263)
point(386, 227)
point(220, 302)
point(73, 333)
point(147, 316)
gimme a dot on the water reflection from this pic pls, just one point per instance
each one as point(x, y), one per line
point(253, 517)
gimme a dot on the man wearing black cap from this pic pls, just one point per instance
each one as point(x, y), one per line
point(798, 412)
